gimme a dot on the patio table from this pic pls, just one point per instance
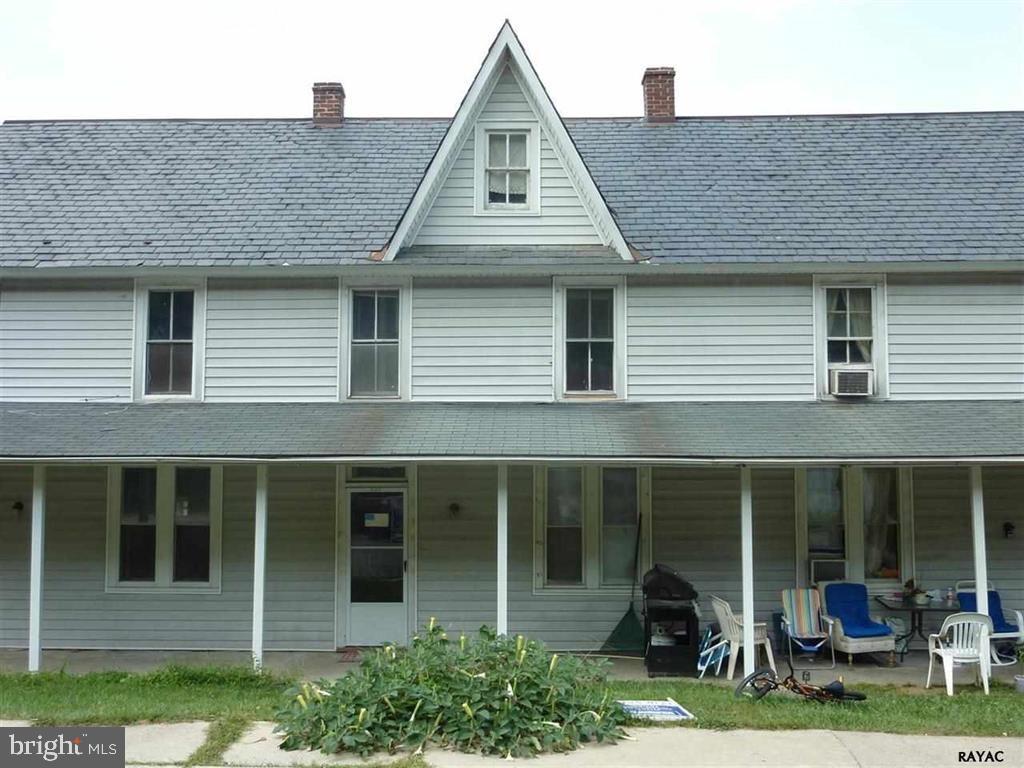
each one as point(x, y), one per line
point(917, 612)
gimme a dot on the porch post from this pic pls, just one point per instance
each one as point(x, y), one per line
point(35, 598)
point(978, 529)
point(259, 566)
point(747, 557)
point(502, 549)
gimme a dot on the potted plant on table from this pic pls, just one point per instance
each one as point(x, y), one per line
point(915, 594)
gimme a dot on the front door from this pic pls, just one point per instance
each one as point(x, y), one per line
point(377, 567)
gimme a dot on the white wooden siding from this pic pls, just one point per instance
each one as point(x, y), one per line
point(15, 485)
point(482, 342)
point(300, 607)
point(721, 342)
point(66, 341)
point(951, 340)
point(563, 219)
point(456, 570)
point(697, 532)
point(272, 341)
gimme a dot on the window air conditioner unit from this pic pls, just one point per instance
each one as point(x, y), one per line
point(851, 382)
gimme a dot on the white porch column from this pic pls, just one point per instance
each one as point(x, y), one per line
point(978, 529)
point(502, 549)
point(35, 593)
point(259, 566)
point(747, 557)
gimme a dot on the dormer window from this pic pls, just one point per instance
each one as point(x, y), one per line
point(508, 169)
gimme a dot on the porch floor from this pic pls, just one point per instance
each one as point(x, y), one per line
point(317, 664)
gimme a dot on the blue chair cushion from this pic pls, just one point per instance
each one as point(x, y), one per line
point(849, 603)
point(969, 603)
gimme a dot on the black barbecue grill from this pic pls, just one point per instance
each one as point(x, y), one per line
point(670, 623)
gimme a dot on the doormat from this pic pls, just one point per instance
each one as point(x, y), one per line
point(660, 710)
point(349, 654)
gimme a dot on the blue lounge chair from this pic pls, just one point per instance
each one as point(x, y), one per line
point(853, 630)
point(1006, 635)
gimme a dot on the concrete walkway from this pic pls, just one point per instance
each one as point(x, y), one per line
point(170, 745)
point(675, 747)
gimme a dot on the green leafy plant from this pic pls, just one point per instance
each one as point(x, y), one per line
point(496, 695)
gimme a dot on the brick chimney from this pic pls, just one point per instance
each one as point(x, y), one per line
point(659, 94)
point(328, 104)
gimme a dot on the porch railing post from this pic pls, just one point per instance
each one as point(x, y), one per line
point(978, 529)
point(502, 549)
point(35, 599)
point(747, 557)
point(259, 566)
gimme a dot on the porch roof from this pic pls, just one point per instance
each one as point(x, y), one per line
point(730, 432)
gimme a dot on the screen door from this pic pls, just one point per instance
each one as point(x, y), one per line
point(377, 567)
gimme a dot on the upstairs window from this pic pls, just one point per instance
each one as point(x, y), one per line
point(589, 340)
point(849, 318)
point(374, 358)
point(850, 337)
point(169, 342)
point(508, 169)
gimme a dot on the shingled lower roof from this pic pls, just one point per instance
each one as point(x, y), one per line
point(920, 188)
point(595, 431)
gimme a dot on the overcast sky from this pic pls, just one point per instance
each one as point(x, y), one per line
point(228, 58)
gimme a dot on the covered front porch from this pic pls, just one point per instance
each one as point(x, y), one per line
point(486, 538)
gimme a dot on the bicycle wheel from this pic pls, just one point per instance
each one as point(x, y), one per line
point(755, 686)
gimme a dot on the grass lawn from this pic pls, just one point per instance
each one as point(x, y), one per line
point(117, 698)
point(891, 709)
point(231, 697)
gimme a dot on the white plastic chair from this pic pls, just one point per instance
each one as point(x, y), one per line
point(963, 639)
point(732, 633)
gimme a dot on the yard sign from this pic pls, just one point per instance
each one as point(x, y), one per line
point(656, 709)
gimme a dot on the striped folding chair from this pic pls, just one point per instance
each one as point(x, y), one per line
point(802, 624)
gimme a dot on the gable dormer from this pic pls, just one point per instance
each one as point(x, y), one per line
point(507, 173)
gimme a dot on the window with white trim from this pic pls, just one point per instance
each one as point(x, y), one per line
point(850, 330)
point(506, 172)
point(849, 326)
point(881, 502)
point(507, 169)
point(164, 528)
point(170, 319)
point(589, 340)
point(588, 523)
point(859, 517)
point(374, 357)
point(826, 513)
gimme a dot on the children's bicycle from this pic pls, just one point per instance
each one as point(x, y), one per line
point(764, 681)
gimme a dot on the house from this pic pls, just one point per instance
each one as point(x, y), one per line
point(302, 384)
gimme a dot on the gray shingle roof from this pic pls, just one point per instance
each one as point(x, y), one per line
point(238, 192)
point(784, 431)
